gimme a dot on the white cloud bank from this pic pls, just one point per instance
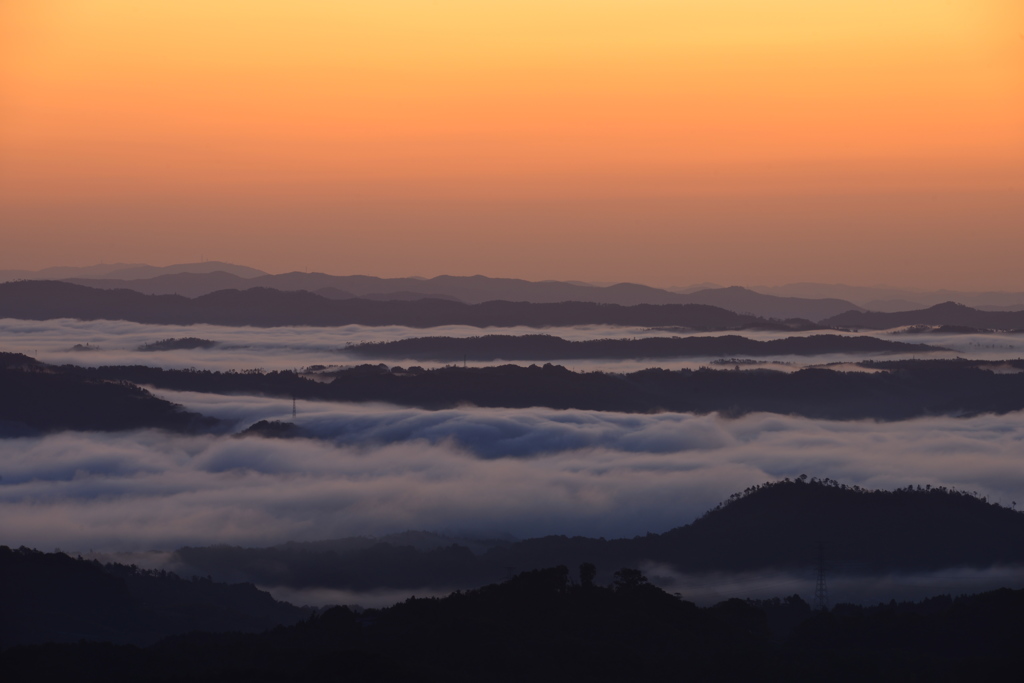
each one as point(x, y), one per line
point(380, 469)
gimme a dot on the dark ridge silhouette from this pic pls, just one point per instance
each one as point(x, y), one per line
point(545, 347)
point(890, 299)
point(271, 429)
point(407, 296)
point(133, 271)
point(261, 307)
point(947, 314)
point(34, 399)
point(943, 329)
point(178, 343)
point(478, 289)
point(544, 625)
point(907, 389)
point(18, 361)
point(768, 527)
point(51, 597)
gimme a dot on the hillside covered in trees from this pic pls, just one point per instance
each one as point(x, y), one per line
point(35, 398)
point(540, 347)
point(906, 389)
point(556, 624)
point(775, 526)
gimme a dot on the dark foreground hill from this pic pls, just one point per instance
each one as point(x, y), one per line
point(540, 347)
point(950, 313)
point(51, 597)
point(773, 527)
point(261, 307)
point(546, 625)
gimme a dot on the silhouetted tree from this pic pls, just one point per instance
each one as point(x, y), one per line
point(628, 579)
point(587, 574)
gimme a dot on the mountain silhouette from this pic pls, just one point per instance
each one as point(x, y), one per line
point(948, 313)
point(127, 271)
point(772, 527)
point(904, 389)
point(545, 347)
point(473, 290)
point(35, 398)
point(262, 307)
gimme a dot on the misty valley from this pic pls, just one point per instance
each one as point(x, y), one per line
point(650, 486)
point(511, 341)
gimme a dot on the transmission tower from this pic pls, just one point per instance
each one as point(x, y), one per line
point(821, 587)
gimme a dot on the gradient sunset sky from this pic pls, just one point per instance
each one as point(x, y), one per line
point(668, 142)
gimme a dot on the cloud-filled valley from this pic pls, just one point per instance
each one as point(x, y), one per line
point(282, 348)
point(376, 469)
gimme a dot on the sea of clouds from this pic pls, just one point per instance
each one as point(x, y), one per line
point(287, 348)
point(377, 469)
point(373, 469)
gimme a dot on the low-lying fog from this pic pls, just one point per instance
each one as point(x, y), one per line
point(376, 469)
point(291, 348)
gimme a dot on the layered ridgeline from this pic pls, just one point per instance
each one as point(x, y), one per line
point(471, 290)
point(36, 398)
point(946, 314)
point(262, 307)
point(895, 390)
point(773, 527)
point(541, 347)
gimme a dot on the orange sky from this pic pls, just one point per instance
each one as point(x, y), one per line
point(662, 141)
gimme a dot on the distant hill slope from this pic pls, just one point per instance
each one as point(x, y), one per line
point(948, 313)
point(478, 289)
point(776, 526)
point(36, 398)
point(909, 388)
point(127, 271)
point(42, 300)
point(190, 285)
point(545, 347)
point(890, 299)
point(744, 300)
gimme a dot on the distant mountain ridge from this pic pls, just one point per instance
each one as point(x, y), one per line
point(545, 347)
point(896, 299)
point(907, 389)
point(948, 313)
point(811, 300)
point(262, 307)
point(127, 271)
point(468, 289)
